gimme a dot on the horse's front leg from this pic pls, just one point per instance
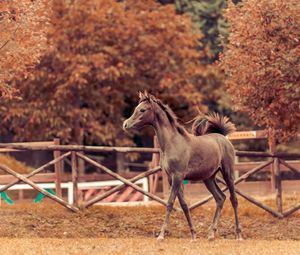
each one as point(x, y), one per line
point(176, 182)
point(186, 211)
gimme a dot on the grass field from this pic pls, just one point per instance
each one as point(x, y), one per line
point(51, 229)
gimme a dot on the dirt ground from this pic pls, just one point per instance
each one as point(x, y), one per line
point(51, 229)
point(145, 246)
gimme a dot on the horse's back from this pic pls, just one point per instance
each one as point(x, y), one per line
point(226, 149)
point(208, 154)
point(217, 142)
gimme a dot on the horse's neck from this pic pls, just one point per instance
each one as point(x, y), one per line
point(165, 131)
point(166, 135)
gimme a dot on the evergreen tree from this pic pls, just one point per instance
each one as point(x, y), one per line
point(207, 16)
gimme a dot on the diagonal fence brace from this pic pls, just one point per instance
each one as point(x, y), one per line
point(119, 187)
point(240, 179)
point(295, 170)
point(36, 171)
point(36, 187)
point(292, 210)
point(122, 179)
point(254, 201)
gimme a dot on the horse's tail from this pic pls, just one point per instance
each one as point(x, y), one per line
point(212, 123)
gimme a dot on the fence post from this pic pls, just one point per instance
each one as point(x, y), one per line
point(120, 162)
point(272, 148)
point(81, 165)
point(75, 177)
point(278, 187)
point(58, 169)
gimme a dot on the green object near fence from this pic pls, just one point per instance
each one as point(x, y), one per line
point(40, 196)
point(6, 198)
point(185, 182)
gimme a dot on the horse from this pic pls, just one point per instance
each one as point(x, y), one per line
point(199, 155)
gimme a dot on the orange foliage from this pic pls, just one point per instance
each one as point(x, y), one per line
point(103, 53)
point(262, 62)
point(22, 37)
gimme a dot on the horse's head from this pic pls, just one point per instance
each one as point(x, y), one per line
point(143, 114)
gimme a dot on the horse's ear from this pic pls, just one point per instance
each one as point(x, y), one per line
point(141, 95)
point(146, 94)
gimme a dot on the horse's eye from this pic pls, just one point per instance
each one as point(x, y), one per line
point(142, 110)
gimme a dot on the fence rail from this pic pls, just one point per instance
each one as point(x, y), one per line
point(76, 152)
point(82, 148)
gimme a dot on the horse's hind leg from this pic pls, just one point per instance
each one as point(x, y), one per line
point(186, 211)
point(227, 172)
point(219, 197)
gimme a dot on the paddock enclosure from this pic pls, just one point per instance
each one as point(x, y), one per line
point(67, 221)
point(275, 163)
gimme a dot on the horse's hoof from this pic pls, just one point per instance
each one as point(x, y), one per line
point(239, 238)
point(193, 240)
point(156, 233)
point(211, 237)
point(193, 236)
point(160, 238)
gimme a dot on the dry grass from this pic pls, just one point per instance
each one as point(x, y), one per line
point(48, 220)
point(14, 164)
point(51, 229)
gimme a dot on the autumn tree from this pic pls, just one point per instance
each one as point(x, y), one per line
point(102, 53)
point(262, 64)
point(23, 28)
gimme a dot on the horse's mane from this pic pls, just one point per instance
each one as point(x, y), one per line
point(166, 109)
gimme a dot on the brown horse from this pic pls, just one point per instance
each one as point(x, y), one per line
point(197, 156)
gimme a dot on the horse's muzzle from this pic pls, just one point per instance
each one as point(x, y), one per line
point(130, 128)
point(125, 125)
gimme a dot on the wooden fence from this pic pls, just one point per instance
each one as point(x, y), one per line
point(275, 160)
point(76, 152)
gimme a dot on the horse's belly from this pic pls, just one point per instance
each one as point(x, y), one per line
point(200, 175)
point(201, 169)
